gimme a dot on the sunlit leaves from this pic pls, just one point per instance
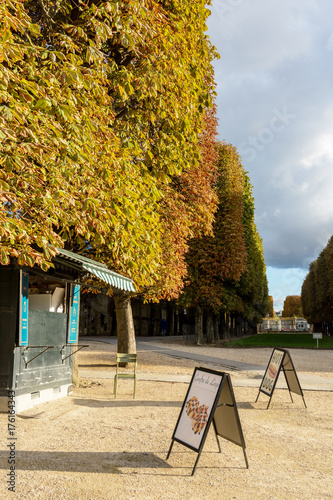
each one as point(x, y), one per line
point(101, 108)
point(292, 306)
point(227, 270)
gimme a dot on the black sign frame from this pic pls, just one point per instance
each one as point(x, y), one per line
point(280, 360)
point(223, 413)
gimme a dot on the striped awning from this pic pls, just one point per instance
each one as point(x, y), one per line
point(113, 279)
point(98, 269)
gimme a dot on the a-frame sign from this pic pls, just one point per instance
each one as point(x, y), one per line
point(280, 360)
point(209, 400)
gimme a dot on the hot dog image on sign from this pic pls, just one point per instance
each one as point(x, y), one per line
point(272, 372)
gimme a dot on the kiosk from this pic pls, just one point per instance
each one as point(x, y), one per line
point(39, 320)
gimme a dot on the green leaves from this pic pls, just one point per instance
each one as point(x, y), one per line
point(317, 289)
point(43, 104)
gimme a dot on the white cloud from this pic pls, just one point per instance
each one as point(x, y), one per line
point(277, 56)
point(329, 45)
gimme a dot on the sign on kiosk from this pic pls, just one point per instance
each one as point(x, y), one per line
point(74, 313)
point(24, 308)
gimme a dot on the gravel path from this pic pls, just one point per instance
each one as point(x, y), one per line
point(92, 446)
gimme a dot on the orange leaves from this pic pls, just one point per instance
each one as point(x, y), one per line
point(227, 266)
point(292, 306)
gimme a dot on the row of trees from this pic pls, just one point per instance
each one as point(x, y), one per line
point(292, 306)
point(226, 270)
point(100, 122)
point(317, 291)
point(271, 312)
point(102, 106)
point(107, 122)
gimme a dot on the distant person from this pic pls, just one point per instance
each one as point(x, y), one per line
point(163, 326)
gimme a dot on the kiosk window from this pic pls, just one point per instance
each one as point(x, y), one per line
point(46, 295)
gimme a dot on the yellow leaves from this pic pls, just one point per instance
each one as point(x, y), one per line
point(4, 257)
point(89, 179)
point(43, 104)
point(34, 29)
point(6, 36)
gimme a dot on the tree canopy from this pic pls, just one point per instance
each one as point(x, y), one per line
point(271, 311)
point(103, 110)
point(108, 148)
point(317, 290)
point(292, 306)
point(226, 269)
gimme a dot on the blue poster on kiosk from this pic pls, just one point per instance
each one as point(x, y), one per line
point(24, 307)
point(74, 313)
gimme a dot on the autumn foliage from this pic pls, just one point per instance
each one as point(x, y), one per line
point(292, 306)
point(102, 107)
point(317, 291)
point(226, 269)
point(108, 148)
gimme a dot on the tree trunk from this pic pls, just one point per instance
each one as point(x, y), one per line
point(226, 327)
point(151, 326)
point(198, 325)
point(170, 318)
point(210, 327)
point(232, 329)
point(172, 321)
point(216, 327)
point(125, 324)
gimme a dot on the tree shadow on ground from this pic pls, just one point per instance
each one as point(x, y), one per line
point(96, 365)
point(119, 403)
point(78, 461)
point(109, 462)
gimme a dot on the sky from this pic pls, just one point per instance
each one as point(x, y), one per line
point(275, 104)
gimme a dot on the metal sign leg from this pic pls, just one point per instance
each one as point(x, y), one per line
point(168, 455)
point(196, 463)
point(291, 397)
point(246, 462)
point(217, 438)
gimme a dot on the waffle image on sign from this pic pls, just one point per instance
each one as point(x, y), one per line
point(200, 419)
point(192, 406)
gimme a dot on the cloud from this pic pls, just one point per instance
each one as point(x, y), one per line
point(329, 45)
point(275, 104)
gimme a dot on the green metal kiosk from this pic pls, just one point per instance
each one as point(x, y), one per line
point(39, 324)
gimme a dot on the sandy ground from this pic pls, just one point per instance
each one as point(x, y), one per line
point(93, 446)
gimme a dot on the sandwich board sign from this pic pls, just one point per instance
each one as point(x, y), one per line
point(280, 360)
point(209, 400)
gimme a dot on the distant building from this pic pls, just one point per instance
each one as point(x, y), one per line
point(279, 324)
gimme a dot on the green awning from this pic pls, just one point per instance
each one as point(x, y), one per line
point(98, 269)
